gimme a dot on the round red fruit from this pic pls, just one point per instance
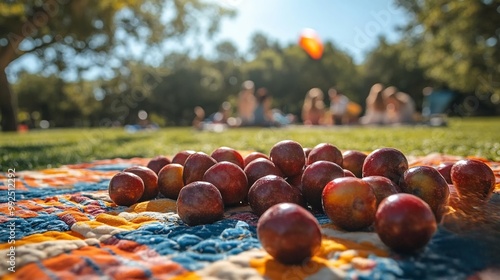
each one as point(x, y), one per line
point(473, 179)
point(382, 187)
point(405, 223)
point(271, 190)
point(150, 180)
point(254, 155)
point(200, 203)
point(350, 203)
point(228, 154)
point(125, 188)
point(180, 157)
point(353, 161)
point(170, 181)
point(157, 163)
point(289, 233)
point(231, 181)
point(259, 168)
point(327, 152)
point(387, 162)
point(195, 166)
point(288, 156)
point(315, 178)
point(429, 185)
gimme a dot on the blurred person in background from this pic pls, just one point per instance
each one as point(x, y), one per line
point(338, 106)
point(224, 113)
point(400, 106)
point(246, 103)
point(263, 114)
point(313, 109)
point(375, 112)
point(199, 117)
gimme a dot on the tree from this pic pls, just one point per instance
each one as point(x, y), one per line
point(63, 103)
point(289, 73)
point(396, 65)
point(40, 95)
point(259, 42)
point(74, 36)
point(180, 83)
point(458, 42)
point(227, 51)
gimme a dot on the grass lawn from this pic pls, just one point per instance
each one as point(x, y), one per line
point(51, 148)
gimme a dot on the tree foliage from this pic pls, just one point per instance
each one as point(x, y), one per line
point(51, 98)
point(82, 34)
point(395, 65)
point(458, 42)
point(450, 44)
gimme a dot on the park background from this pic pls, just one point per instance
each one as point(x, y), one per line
point(98, 63)
point(85, 69)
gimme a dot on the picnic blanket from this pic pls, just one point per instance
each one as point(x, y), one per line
point(60, 223)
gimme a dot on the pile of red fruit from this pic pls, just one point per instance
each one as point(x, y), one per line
point(355, 190)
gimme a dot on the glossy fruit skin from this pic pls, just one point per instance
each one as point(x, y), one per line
point(157, 163)
point(228, 154)
point(150, 180)
point(254, 155)
point(348, 173)
point(405, 223)
point(327, 152)
point(230, 180)
point(289, 233)
point(288, 156)
point(296, 181)
point(195, 167)
point(387, 162)
point(350, 203)
point(271, 190)
point(125, 188)
point(382, 187)
point(170, 180)
point(429, 185)
point(180, 157)
point(315, 178)
point(259, 168)
point(200, 203)
point(353, 161)
point(473, 179)
point(298, 198)
point(445, 170)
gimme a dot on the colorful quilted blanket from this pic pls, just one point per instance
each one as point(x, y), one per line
point(60, 224)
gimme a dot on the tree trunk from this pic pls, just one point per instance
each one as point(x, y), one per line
point(7, 104)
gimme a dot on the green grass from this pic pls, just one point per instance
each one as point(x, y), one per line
point(52, 148)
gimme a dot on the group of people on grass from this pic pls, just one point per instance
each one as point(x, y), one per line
point(340, 111)
point(384, 105)
point(254, 108)
point(388, 106)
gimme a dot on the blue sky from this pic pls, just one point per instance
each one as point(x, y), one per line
point(352, 25)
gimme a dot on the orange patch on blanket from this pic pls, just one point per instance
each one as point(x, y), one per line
point(159, 205)
point(43, 237)
point(346, 253)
